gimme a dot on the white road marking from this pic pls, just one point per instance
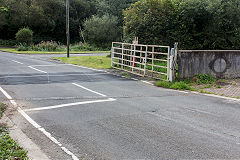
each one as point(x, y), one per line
point(54, 75)
point(37, 69)
point(88, 68)
point(200, 111)
point(134, 79)
point(32, 122)
point(70, 104)
point(51, 65)
point(17, 62)
point(89, 90)
point(147, 82)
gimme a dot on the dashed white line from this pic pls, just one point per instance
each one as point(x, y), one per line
point(37, 126)
point(17, 62)
point(89, 90)
point(37, 69)
point(70, 104)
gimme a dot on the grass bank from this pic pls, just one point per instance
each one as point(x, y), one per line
point(103, 62)
point(9, 149)
point(14, 50)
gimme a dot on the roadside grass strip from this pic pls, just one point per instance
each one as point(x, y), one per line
point(9, 149)
point(103, 62)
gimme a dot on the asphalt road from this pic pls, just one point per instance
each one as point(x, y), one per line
point(97, 115)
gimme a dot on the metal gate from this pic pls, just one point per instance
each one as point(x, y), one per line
point(144, 60)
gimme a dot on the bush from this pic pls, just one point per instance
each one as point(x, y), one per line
point(22, 47)
point(101, 31)
point(24, 36)
point(195, 24)
point(46, 46)
point(83, 47)
point(7, 43)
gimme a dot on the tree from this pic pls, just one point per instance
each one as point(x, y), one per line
point(101, 31)
point(195, 24)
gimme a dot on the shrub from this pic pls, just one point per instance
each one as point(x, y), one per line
point(24, 36)
point(7, 43)
point(22, 47)
point(83, 47)
point(195, 24)
point(101, 31)
point(46, 46)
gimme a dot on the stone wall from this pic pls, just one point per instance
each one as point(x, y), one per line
point(220, 64)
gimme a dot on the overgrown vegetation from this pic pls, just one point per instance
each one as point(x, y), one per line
point(195, 24)
point(51, 46)
point(103, 62)
point(47, 19)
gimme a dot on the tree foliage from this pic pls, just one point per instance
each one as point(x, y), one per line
point(45, 17)
point(195, 24)
point(24, 36)
point(101, 31)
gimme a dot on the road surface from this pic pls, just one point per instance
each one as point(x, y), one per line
point(78, 113)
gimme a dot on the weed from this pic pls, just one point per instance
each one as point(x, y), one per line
point(9, 149)
point(163, 84)
point(2, 109)
point(180, 86)
point(174, 85)
point(204, 79)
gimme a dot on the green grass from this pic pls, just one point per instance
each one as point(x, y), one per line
point(9, 149)
point(14, 50)
point(89, 61)
point(174, 85)
point(2, 109)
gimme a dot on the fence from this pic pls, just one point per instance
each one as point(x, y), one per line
point(144, 60)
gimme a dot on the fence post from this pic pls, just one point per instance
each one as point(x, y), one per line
point(175, 60)
point(168, 64)
point(122, 55)
point(134, 55)
point(145, 61)
point(112, 55)
point(153, 50)
point(171, 69)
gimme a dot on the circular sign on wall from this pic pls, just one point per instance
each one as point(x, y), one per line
point(220, 65)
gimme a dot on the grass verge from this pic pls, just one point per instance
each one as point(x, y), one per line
point(9, 149)
point(203, 80)
point(103, 62)
point(14, 50)
point(174, 85)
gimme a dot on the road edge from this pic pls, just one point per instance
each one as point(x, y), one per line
point(33, 151)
